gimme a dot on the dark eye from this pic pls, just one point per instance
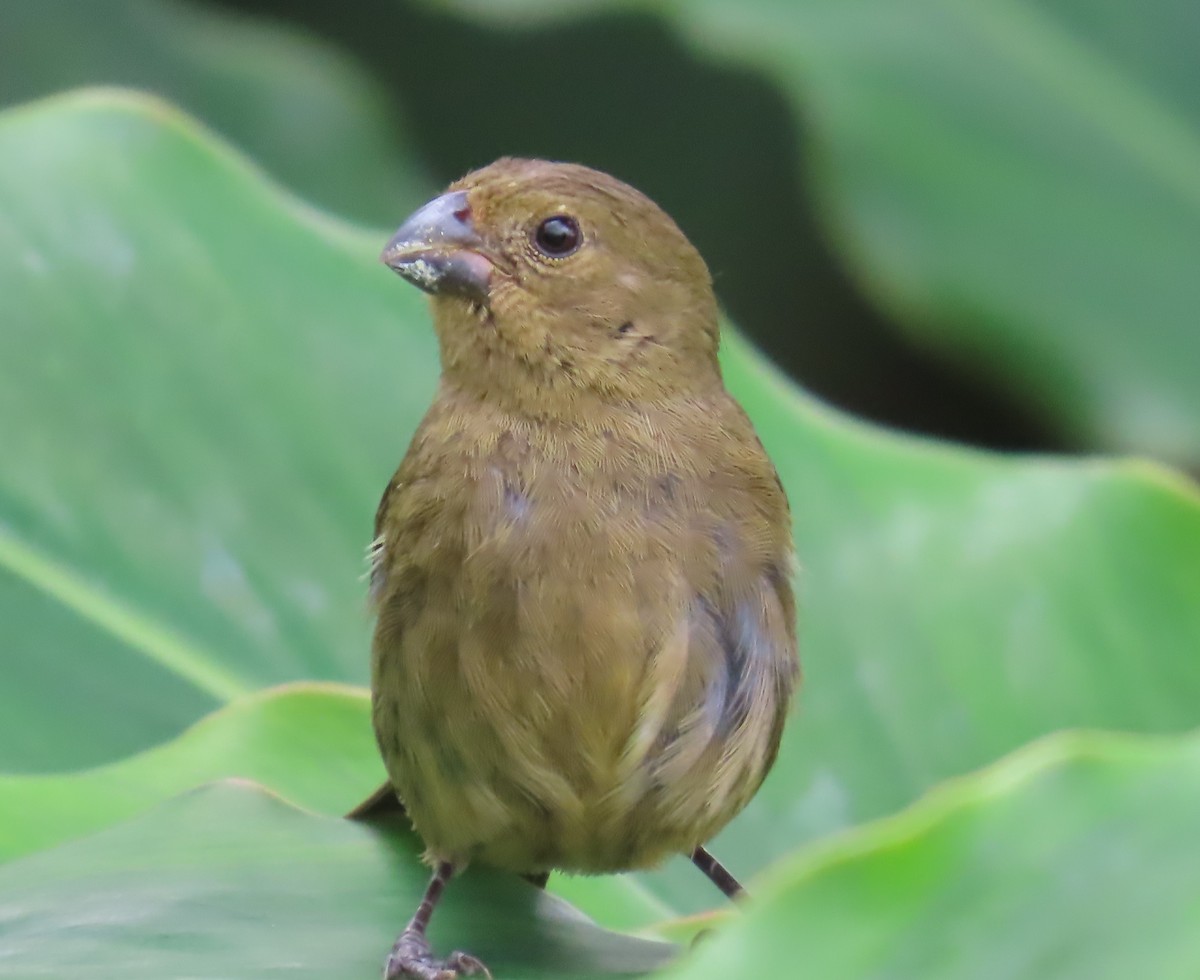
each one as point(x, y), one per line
point(558, 237)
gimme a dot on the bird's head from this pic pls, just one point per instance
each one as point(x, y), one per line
point(554, 285)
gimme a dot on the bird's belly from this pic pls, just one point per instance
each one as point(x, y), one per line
point(566, 694)
point(514, 735)
point(507, 745)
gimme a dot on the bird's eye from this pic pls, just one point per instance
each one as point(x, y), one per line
point(558, 237)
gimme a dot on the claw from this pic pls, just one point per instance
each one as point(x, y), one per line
point(466, 965)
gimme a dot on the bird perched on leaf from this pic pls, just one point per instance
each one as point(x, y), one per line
point(585, 643)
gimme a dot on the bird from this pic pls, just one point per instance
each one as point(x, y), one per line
point(584, 649)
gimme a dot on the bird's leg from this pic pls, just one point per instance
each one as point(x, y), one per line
point(412, 958)
point(717, 874)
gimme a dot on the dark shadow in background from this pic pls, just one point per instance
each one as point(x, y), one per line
point(716, 146)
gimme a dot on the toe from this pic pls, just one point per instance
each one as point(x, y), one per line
point(464, 964)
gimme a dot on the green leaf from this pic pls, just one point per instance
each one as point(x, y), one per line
point(310, 743)
point(206, 374)
point(1073, 860)
point(69, 653)
point(302, 109)
point(230, 881)
point(1018, 183)
point(956, 605)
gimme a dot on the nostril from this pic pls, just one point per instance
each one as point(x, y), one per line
point(463, 214)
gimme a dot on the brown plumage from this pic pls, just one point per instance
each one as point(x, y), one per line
point(585, 642)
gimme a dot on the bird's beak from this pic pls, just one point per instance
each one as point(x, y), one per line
point(438, 249)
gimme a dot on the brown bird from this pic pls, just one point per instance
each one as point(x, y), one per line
point(585, 645)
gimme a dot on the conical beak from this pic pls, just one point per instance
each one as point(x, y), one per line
point(438, 250)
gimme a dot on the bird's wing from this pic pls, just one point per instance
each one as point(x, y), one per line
point(715, 697)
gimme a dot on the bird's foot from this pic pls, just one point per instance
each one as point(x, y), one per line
point(412, 959)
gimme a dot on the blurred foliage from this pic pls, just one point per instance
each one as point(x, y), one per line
point(302, 109)
point(715, 145)
point(1014, 186)
point(975, 224)
point(978, 222)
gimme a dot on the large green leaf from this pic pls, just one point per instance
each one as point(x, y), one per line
point(310, 743)
point(229, 881)
point(1018, 183)
point(1074, 860)
point(1070, 860)
point(195, 376)
point(297, 105)
point(222, 382)
point(956, 605)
